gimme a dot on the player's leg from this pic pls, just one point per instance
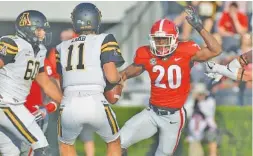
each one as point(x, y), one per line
point(69, 124)
point(7, 146)
point(21, 123)
point(170, 127)
point(105, 125)
point(86, 137)
point(51, 134)
point(139, 127)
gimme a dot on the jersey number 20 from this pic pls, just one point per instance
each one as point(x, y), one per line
point(173, 70)
point(80, 64)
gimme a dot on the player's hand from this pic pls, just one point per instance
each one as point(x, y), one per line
point(193, 18)
point(40, 113)
point(211, 71)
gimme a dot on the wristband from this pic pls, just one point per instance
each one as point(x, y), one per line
point(51, 107)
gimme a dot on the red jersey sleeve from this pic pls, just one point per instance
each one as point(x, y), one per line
point(191, 47)
point(34, 98)
point(51, 62)
point(141, 55)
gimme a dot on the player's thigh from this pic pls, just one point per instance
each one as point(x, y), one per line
point(170, 128)
point(8, 144)
point(87, 134)
point(21, 123)
point(69, 124)
point(106, 125)
point(139, 127)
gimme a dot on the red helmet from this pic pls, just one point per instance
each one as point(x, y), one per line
point(163, 37)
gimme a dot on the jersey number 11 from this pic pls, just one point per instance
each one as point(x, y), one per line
point(80, 64)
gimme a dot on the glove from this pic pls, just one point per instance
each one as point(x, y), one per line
point(40, 113)
point(193, 18)
point(211, 71)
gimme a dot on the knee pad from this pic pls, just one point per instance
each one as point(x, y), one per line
point(42, 151)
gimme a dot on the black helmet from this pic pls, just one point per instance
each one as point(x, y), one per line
point(26, 24)
point(86, 17)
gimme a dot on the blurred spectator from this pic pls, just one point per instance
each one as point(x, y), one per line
point(172, 9)
point(207, 11)
point(67, 34)
point(233, 22)
point(246, 43)
point(202, 126)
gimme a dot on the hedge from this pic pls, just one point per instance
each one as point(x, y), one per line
point(232, 119)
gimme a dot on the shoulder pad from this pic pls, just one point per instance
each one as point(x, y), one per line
point(8, 45)
point(143, 52)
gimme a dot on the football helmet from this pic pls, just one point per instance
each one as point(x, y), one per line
point(163, 38)
point(28, 22)
point(86, 17)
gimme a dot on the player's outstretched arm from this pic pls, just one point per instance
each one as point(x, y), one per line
point(131, 71)
point(233, 70)
point(49, 87)
point(213, 47)
point(245, 58)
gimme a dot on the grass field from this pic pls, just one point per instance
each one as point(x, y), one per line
point(237, 120)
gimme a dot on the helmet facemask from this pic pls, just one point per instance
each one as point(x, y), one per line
point(162, 44)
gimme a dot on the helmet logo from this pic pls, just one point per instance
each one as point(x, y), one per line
point(25, 20)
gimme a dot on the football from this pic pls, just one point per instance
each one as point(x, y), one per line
point(113, 95)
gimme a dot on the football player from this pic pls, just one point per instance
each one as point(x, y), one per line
point(36, 100)
point(21, 61)
point(87, 61)
point(167, 62)
point(234, 70)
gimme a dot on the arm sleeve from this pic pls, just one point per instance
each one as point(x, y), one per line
point(110, 51)
point(8, 50)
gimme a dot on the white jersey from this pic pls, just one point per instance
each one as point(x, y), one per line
point(82, 59)
point(21, 67)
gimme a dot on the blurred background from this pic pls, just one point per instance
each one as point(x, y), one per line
point(130, 22)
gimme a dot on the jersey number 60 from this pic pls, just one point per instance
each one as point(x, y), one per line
point(173, 70)
point(31, 70)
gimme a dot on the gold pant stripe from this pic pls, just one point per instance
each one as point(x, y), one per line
point(109, 43)
point(114, 120)
point(19, 125)
point(59, 128)
point(111, 120)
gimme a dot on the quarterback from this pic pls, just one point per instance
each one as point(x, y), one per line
point(88, 61)
point(22, 61)
point(167, 62)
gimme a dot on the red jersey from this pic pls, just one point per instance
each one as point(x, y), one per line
point(35, 96)
point(170, 77)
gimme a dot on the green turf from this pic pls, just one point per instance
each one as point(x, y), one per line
point(238, 120)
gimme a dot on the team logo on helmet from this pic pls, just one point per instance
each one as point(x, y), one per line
point(25, 20)
point(152, 61)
